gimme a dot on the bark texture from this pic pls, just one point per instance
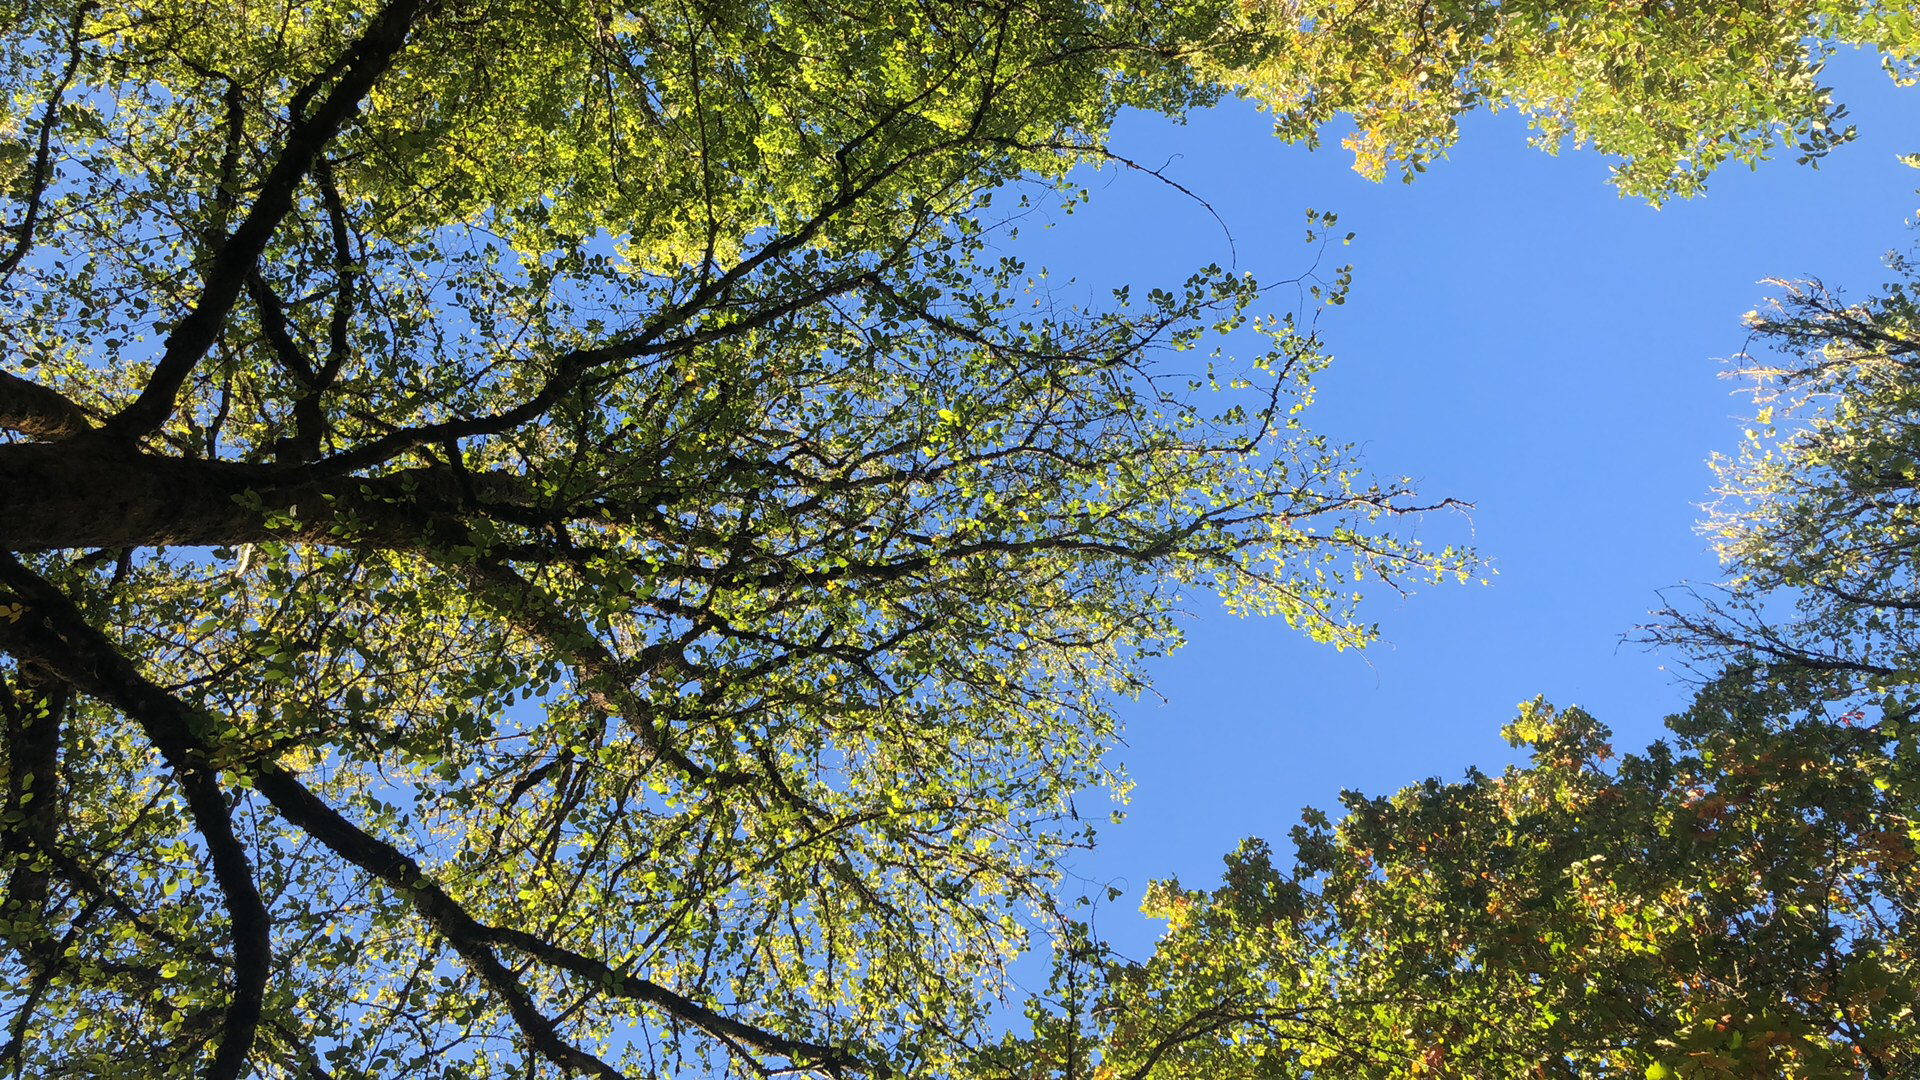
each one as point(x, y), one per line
point(38, 412)
point(92, 495)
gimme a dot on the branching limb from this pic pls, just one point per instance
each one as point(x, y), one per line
point(193, 335)
point(39, 412)
point(43, 152)
point(57, 496)
point(604, 678)
point(53, 632)
point(13, 1053)
point(33, 717)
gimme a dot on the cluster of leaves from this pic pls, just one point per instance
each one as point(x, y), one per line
point(1741, 903)
point(1673, 89)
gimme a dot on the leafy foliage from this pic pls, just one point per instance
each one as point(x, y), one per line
point(1742, 903)
point(549, 537)
point(1816, 517)
point(653, 577)
point(1673, 89)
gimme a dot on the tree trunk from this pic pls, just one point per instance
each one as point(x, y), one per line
point(82, 494)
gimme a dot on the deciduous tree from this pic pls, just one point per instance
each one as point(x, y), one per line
point(548, 536)
point(1741, 903)
point(1816, 515)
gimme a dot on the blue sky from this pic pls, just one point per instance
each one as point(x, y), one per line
point(1519, 337)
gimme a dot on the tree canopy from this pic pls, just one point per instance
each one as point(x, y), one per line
point(1743, 901)
point(549, 538)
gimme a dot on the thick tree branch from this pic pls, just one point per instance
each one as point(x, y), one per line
point(467, 936)
point(193, 335)
point(52, 632)
point(39, 412)
point(33, 716)
point(279, 335)
point(67, 495)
